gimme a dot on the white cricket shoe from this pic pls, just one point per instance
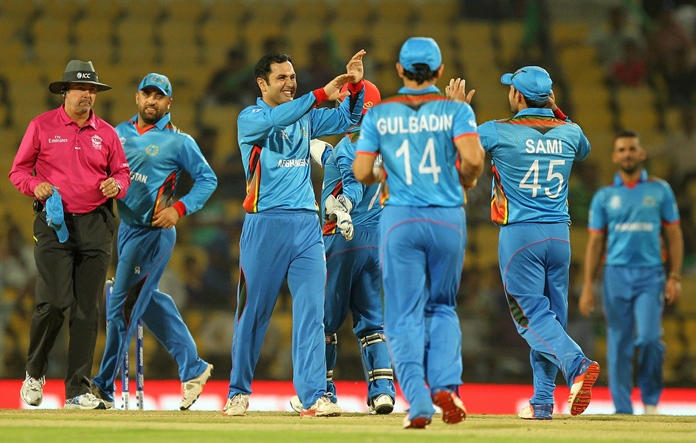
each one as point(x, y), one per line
point(381, 405)
point(323, 407)
point(236, 406)
point(84, 401)
point(191, 390)
point(32, 390)
point(296, 404)
point(651, 410)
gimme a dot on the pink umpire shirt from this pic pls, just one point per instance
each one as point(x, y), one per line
point(74, 159)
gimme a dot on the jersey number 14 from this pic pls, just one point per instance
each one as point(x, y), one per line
point(427, 165)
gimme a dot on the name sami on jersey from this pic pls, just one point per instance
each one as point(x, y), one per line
point(414, 124)
point(539, 147)
point(138, 177)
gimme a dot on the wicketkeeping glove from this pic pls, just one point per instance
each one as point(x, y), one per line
point(319, 150)
point(338, 209)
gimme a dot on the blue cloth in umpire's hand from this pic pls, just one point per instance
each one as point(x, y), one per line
point(55, 216)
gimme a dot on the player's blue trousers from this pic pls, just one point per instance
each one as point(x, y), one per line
point(633, 303)
point(276, 244)
point(421, 256)
point(354, 283)
point(534, 263)
point(143, 254)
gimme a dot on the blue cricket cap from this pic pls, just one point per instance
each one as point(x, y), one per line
point(532, 81)
point(417, 50)
point(158, 81)
point(55, 216)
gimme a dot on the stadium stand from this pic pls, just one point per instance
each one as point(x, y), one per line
point(189, 39)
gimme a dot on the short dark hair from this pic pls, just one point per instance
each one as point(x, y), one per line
point(422, 73)
point(625, 133)
point(534, 103)
point(263, 66)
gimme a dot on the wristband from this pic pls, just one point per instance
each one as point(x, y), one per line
point(559, 114)
point(180, 208)
point(673, 276)
point(320, 95)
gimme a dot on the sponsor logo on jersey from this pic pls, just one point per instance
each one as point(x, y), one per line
point(123, 141)
point(57, 139)
point(96, 142)
point(138, 177)
point(152, 150)
point(634, 227)
point(293, 163)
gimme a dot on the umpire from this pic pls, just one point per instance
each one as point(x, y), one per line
point(72, 163)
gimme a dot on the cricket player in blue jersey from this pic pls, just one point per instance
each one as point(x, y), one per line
point(281, 236)
point(157, 152)
point(429, 148)
point(532, 154)
point(626, 221)
point(351, 239)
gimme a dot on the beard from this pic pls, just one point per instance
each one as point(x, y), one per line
point(84, 106)
point(150, 118)
point(630, 168)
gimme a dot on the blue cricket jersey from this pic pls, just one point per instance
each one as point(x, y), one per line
point(414, 131)
point(274, 143)
point(156, 159)
point(532, 155)
point(339, 179)
point(632, 217)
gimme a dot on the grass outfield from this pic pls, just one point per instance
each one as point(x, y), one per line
point(57, 426)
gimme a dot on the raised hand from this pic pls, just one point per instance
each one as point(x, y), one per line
point(333, 88)
point(355, 68)
point(456, 90)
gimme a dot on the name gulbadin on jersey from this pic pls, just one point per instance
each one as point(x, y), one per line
point(414, 124)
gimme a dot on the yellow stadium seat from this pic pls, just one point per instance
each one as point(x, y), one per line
point(316, 11)
point(440, 11)
point(186, 10)
point(19, 10)
point(394, 10)
point(178, 31)
point(136, 33)
point(388, 38)
point(509, 37)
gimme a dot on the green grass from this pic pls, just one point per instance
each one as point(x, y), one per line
point(57, 426)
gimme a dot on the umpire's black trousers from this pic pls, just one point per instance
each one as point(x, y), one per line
point(70, 275)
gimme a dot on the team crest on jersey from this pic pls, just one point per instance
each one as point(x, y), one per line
point(303, 131)
point(615, 202)
point(96, 142)
point(122, 140)
point(137, 270)
point(152, 150)
point(649, 201)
